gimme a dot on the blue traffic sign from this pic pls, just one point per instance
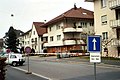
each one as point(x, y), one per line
point(94, 43)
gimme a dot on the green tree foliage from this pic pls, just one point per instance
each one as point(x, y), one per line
point(11, 40)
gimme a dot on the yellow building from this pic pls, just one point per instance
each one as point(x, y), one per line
point(107, 24)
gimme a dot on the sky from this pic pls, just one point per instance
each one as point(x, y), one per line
point(28, 11)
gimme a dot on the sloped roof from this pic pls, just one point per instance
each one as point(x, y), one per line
point(27, 32)
point(79, 13)
point(40, 30)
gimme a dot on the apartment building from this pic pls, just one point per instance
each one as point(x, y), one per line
point(67, 32)
point(107, 24)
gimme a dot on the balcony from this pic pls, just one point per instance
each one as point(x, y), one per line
point(73, 42)
point(53, 43)
point(116, 42)
point(70, 29)
point(114, 4)
point(115, 23)
point(71, 39)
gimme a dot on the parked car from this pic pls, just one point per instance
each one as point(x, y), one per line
point(14, 59)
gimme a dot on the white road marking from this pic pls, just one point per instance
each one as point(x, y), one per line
point(32, 73)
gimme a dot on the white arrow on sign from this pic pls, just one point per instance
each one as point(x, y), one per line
point(94, 44)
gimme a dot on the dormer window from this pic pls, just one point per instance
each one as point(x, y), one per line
point(85, 13)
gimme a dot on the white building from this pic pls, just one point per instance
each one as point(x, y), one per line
point(36, 41)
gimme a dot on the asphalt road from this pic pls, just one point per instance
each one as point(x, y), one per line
point(14, 74)
point(58, 70)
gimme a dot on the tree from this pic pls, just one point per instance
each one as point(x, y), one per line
point(11, 40)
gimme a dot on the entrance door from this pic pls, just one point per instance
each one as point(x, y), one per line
point(118, 33)
point(118, 51)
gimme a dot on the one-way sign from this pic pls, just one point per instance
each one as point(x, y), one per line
point(94, 43)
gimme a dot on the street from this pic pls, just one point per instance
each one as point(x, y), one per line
point(14, 74)
point(55, 69)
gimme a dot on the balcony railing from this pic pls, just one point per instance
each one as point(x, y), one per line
point(114, 4)
point(116, 42)
point(71, 39)
point(70, 29)
point(115, 23)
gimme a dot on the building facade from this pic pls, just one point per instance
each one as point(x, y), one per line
point(107, 24)
point(33, 37)
point(24, 39)
point(67, 32)
point(36, 40)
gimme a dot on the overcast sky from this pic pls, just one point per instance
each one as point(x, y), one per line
point(28, 11)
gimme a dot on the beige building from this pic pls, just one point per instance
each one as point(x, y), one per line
point(107, 24)
point(65, 33)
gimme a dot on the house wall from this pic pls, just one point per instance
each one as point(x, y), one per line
point(53, 46)
point(36, 40)
point(100, 28)
point(26, 38)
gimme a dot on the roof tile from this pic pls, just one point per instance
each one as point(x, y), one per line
point(40, 30)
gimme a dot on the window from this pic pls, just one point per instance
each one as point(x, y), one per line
point(33, 32)
point(28, 42)
point(103, 3)
point(51, 38)
point(79, 26)
point(49, 28)
point(74, 24)
point(104, 19)
point(13, 56)
point(91, 24)
point(83, 24)
point(57, 27)
point(36, 40)
point(35, 47)
point(105, 35)
point(25, 43)
point(58, 37)
point(32, 40)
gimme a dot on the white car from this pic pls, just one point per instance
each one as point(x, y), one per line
point(14, 59)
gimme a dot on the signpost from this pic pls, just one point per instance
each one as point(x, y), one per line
point(94, 47)
point(28, 50)
point(8, 51)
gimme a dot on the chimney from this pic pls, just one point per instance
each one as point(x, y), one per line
point(75, 7)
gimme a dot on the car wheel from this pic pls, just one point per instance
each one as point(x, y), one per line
point(14, 64)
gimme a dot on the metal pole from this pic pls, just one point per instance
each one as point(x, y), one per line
point(95, 71)
point(28, 66)
point(28, 63)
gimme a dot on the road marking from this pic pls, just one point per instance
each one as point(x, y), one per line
point(94, 44)
point(33, 73)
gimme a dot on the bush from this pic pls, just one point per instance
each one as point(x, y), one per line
point(2, 68)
